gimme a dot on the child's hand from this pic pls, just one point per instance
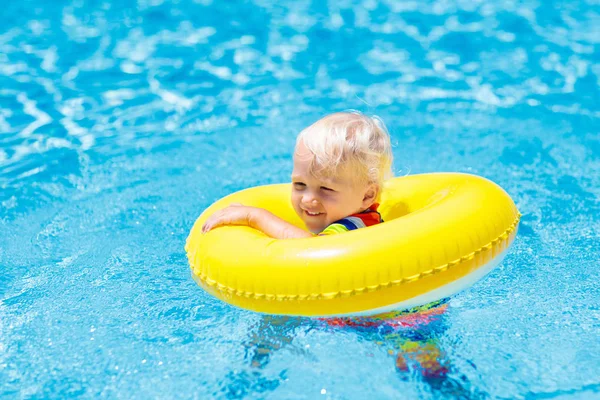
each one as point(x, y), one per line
point(235, 214)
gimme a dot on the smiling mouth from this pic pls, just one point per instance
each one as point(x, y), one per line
point(312, 214)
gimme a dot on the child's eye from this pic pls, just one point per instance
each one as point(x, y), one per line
point(325, 188)
point(299, 185)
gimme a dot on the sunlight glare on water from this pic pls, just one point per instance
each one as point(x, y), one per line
point(121, 121)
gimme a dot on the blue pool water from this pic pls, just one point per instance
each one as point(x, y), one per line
point(121, 121)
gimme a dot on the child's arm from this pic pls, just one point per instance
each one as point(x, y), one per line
point(257, 218)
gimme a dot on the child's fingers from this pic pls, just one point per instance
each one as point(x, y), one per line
point(210, 223)
point(208, 227)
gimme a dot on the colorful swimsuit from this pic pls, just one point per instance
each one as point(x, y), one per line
point(355, 221)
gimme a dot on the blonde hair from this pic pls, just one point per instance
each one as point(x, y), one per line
point(349, 140)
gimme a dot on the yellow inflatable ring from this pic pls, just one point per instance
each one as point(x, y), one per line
point(443, 232)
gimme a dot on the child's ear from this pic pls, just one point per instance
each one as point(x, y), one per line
point(370, 195)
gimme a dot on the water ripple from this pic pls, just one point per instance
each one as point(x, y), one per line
point(120, 123)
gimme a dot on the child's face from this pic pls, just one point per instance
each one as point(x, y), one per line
point(320, 201)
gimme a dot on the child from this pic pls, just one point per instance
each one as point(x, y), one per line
point(340, 164)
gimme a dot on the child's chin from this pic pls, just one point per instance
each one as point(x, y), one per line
point(314, 229)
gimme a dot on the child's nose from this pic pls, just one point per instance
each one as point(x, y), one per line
point(309, 199)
